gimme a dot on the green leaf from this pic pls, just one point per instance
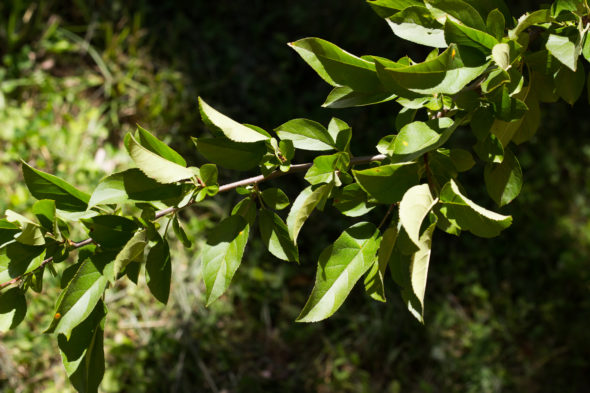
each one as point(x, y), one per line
point(341, 133)
point(414, 208)
point(180, 233)
point(462, 159)
point(385, 8)
point(467, 36)
point(7, 232)
point(31, 235)
point(45, 186)
point(418, 138)
point(411, 273)
point(501, 55)
point(496, 24)
point(336, 66)
point(529, 19)
point(416, 24)
point(132, 185)
point(564, 50)
point(275, 236)
point(80, 297)
point(45, 212)
point(530, 122)
point(448, 73)
point(507, 107)
point(222, 255)
point(110, 231)
point(229, 154)
point(83, 353)
point(374, 280)
point(324, 168)
point(304, 205)
point(153, 165)
point(275, 198)
point(504, 181)
point(230, 128)
point(569, 84)
point(158, 270)
point(559, 6)
point(158, 147)
point(130, 252)
point(13, 308)
point(345, 97)
point(247, 209)
point(306, 135)
point(340, 266)
point(468, 216)
point(352, 201)
point(17, 259)
point(387, 183)
point(458, 11)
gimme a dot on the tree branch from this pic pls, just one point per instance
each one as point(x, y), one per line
point(224, 188)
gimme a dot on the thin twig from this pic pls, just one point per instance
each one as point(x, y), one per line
point(227, 187)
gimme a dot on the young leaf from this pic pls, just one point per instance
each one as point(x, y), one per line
point(387, 183)
point(158, 147)
point(229, 154)
point(416, 24)
point(154, 166)
point(275, 198)
point(304, 204)
point(468, 216)
point(414, 208)
point(336, 66)
point(80, 297)
point(17, 259)
point(132, 185)
point(247, 209)
point(340, 266)
point(306, 135)
point(504, 181)
point(275, 236)
point(45, 186)
point(158, 270)
point(13, 308)
point(222, 255)
point(230, 128)
point(83, 354)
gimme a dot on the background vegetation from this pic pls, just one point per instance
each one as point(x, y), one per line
point(508, 314)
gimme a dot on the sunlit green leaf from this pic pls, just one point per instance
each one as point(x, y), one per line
point(158, 147)
point(229, 154)
point(306, 135)
point(504, 181)
point(275, 198)
point(467, 36)
point(275, 236)
point(222, 255)
point(45, 186)
point(230, 128)
point(17, 259)
point(385, 8)
point(130, 252)
point(416, 24)
point(387, 183)
point(352, 201)
point(345, 97)
point(304, 205)
point(414, 208)
point(340, 266)
point(564, 50)
point(154, 166)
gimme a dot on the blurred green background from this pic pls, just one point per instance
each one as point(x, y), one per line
point(510, 314)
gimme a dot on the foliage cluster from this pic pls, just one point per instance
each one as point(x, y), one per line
point(483, 79)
